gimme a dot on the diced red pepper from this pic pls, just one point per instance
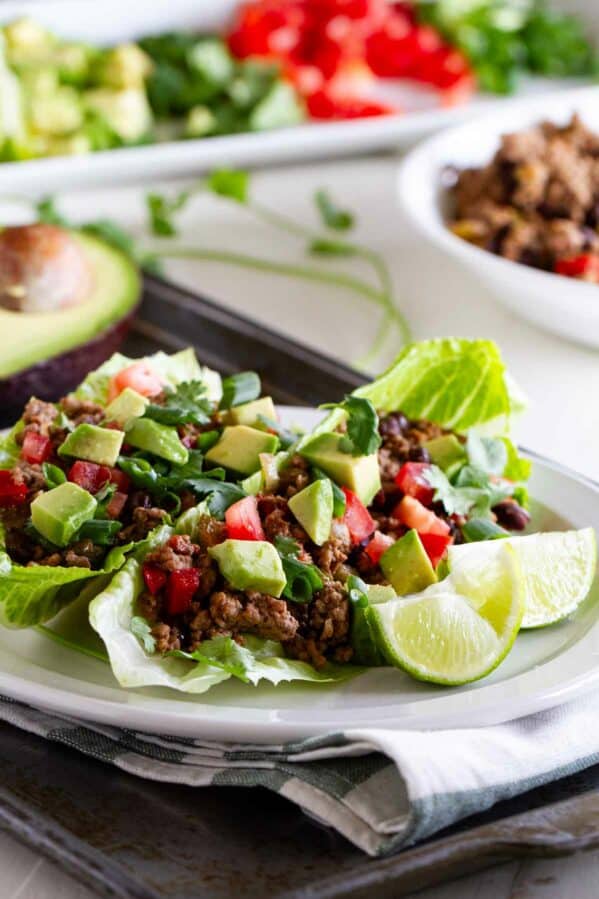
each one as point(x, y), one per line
point(116, 504)
point(11, 493)
point(379, 544)
point(411, 480)
point(435, 546)
point(180, 589)
point(36, 448)
point(322, 105)
point(357, 518)
point(243, 521)
point(89, 475)
point(121, 480)
point(584, 266)
point(154, 578)
point(413, 514)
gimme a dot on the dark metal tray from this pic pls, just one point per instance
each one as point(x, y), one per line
point(132, 838)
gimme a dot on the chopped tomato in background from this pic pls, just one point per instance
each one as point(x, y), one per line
point(584, 266)
point(357, 518)
point(334, 50)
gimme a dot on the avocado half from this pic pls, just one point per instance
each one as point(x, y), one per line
point(46, 354)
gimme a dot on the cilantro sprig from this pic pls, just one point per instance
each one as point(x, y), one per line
point(184, 404)
point(362, 437)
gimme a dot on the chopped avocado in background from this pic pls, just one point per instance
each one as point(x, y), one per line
point(249, 413)
point(447, 452)
point(128, 404)
point(250, 565)
point(59, 513)
point(94, 444)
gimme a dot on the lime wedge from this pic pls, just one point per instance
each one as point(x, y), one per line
point(558, 569)
point(460, 629)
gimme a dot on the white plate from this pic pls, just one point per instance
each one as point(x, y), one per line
point(546, 667)
point(565, 306)
point(112, 21)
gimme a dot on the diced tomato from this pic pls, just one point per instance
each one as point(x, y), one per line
point(116, 504)
point(243, 521)
point(357, 518)
point(140, 377)
point(36, 448)
point(11, 493)
point(435, 546)
point(121, 480)
point(307, 79)
point(442, 68)
point(89, 475)
point(180, 589)
point(395, 49)
point(154, 578)
point(377, 546)
point(584, 266)
point(411, 480)
point(413, 514)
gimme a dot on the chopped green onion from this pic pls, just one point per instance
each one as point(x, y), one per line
point(240, 388)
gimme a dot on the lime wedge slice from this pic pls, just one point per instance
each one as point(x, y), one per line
point(558, 569)
point(460, 629)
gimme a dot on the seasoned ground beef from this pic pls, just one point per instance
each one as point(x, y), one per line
point(38, 417)
point(143, 521)
point(29, 474)
point(294, 476)
point(209, 531)
point(324, 630)
point(81, 411)
point(179, 553)
point(537, 201)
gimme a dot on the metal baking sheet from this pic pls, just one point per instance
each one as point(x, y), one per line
point(135, 839)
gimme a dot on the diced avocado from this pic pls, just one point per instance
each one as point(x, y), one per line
point(247, 413)
point(126, 111)
point(313, 508)
point(358, 473)
point(254, 483)
point(59, 513)
point(58, 113)
point(250, 565)
point(162, 440)
point(94, 444)
point(447, 452)
point(128, 405)
point(239, 448)
point(407, 566)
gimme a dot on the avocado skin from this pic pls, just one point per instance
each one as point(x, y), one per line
point(53, 378)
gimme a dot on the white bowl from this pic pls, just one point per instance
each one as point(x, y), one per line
point(565, 306)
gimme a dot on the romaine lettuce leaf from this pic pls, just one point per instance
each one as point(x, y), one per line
point(260, 659)
point(9, 448)
point(457, 383)
point(175, 369)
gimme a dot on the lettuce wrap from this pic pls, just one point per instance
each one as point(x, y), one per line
point(114, 616)
point(32, 595)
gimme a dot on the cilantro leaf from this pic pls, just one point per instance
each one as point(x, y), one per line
point(240, 388)
point(161, 210)
point(487, 453)
point(303, 579)
point(230, 183)
point(186, 404)
point(332, 215)
point(473, 493)
point(142, 630)
point(362, 437)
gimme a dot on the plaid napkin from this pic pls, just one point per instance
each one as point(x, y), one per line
point(381, 789)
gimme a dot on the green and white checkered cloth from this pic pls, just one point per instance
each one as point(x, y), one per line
point(381, 789)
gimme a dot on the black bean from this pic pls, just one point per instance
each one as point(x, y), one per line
point(511, 516)
point(419, 454)
point(393, 425)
